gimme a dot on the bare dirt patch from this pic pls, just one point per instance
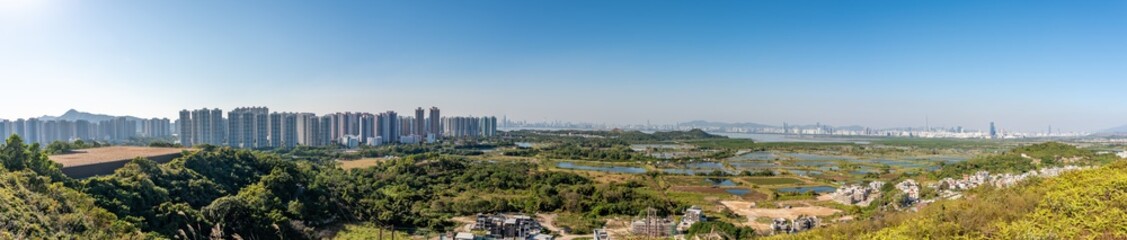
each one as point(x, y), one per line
point(360, 163)
point(744, 208)
point(110, 154)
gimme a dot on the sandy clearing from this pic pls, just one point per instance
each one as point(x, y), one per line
point(360, 163)
point(744, 208)
point(110, 154)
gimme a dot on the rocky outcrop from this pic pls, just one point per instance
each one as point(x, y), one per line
point(999, 180)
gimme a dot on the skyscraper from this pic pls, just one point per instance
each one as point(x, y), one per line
point(458, 127)
point(993, 131)
point(435, 123)
point(155, 127)
point(5, 129)
point(32, 128)
point(289, 130)
point(202, 126)
point(324, 135)
point(249, 127)
point(19, 128)
point(367, 128)
point(489, 126)
point(420, 123)
point(307, 129)
point(275, 135)
point(186, 129)
point(388, 127)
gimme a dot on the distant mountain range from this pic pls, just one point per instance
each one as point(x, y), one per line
point(75, 115)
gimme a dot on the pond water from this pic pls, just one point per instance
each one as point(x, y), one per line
point(686, 171)
point(862, 172)
point(752, 165)
point(947, 159)
point(816, 157)
point(805, 173)
point(720, 182)
point(614, 169)
point(753, 156)
point(901, 163)
point(816, 189)
point(815, 163)
point(708, 165)
point(737, 191)
point(523, 144)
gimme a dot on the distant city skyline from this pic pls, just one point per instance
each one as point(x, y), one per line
point(1024, 65)
point(681, 125)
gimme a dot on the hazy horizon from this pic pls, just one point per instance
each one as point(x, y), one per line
point(1022, 64)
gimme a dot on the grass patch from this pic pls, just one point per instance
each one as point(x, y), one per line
point(367, 231)
point(771, 180)
point(578, 223)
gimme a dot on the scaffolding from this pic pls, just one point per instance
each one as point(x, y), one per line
point(653, 226)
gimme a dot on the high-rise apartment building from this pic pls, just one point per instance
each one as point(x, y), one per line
point(306, 128)
point(420, 126)
point(118, 129)
point(185, 128)
point(19, 128)
point(406, 126)
point(993, 131)
point(202, 126)
point(389, 129)
point(84, 130)
point(249, 127)
point(5, 129)
point(156, 128)
point(367, 127)
point(283, 130)
point(324, 134)
point(489, 126)
point(32, 130)
point(434, 123)
point(459, 127)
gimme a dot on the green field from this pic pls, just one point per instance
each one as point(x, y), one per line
point(771, 180)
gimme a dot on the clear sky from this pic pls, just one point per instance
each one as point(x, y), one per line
point(1024, 64)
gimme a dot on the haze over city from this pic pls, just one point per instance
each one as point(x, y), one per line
point(1022, 64)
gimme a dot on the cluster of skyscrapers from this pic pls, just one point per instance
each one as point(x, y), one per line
point(114, 130)
point(257, 127)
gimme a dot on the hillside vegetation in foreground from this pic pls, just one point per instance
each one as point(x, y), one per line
point(1088, 204)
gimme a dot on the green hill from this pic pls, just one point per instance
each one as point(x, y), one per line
point(36, 203)
point(1088, 204)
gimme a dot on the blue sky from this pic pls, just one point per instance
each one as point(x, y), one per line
point(1023, 64)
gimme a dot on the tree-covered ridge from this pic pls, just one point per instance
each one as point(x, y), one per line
point(34, 205)
point(217, 191)
point(423, 191)
point(1026, 158)
point(16, 156)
